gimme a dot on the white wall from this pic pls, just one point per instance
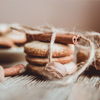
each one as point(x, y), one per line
point(83, 14)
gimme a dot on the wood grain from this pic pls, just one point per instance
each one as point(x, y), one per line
point(31, 87)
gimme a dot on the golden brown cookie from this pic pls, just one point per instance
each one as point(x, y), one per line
point(17, 37)
point(5, 42)
point(82, 56)
point(34, 69)
point(70, 68)
point(37, 48)
point(44, 61)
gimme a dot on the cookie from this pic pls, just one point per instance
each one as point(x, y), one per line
point(17, 37)
point(37, 48)
point(5, 42)
point(70, 67)
point(44, 61)
point(4, 28)
point(34, 69)
point(82, 56)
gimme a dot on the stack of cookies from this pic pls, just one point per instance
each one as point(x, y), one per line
point(37, 56)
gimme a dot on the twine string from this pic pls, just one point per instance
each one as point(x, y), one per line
point(74, 77)
point(51, 45)
point(91, 56)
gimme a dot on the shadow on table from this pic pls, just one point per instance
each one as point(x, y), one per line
point(91, 72)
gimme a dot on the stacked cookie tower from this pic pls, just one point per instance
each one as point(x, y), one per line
point(37, 56)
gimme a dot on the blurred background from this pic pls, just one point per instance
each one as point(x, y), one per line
point(81, 14)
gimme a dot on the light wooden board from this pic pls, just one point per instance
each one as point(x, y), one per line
point(30, 87)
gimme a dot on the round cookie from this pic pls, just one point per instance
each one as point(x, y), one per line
point(44, 61)
point(70, 68)
point(82, 56)
point(5, 42)
point(4, 28)
point(17, 37)
point(34, 69)
point(37, 48)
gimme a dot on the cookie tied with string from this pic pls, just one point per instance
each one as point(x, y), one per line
point(40, 49)
point(57, 65)
point(44, 61)
point(52, 68)
point(62, 70)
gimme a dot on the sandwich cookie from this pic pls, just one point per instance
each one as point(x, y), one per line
point(44, 61)
point(40, 49)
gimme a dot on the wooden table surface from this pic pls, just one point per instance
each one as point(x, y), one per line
point(31, 87)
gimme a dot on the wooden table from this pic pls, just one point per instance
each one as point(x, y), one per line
point(30, 87)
